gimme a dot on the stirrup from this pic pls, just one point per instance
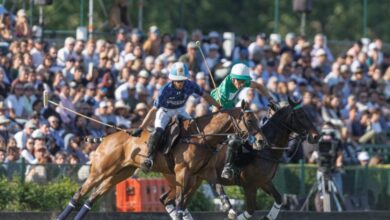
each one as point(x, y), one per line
point(227, 173)
point(147, 164)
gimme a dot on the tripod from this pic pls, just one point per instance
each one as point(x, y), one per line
point(328, 193)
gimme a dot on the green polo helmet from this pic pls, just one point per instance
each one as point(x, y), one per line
point(240, 71)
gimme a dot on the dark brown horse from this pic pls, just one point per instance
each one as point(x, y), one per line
point(263, 164)
point(119, 155)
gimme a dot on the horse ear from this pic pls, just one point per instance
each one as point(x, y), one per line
point(293, 103)
point(243, 104)
point(290, 101)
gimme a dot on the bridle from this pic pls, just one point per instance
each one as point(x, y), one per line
point(281, 124)
point(242, 134)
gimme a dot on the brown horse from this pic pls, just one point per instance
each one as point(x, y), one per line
point(119, 155)
point(261, 166)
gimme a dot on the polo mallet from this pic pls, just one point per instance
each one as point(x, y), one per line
point(46, 102)
point(208, 69)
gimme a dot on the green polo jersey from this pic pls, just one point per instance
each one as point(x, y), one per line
point(227, 92)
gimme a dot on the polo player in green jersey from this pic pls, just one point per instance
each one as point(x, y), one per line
point(226, 94)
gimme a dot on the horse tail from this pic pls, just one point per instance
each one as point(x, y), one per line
point(93, 140)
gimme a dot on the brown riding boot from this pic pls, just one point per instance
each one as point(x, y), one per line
point(154, 140)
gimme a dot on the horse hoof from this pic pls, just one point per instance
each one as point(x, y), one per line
point(232, 214)
point(225, 207)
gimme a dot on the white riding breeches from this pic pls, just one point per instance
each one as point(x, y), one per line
point(164, 115)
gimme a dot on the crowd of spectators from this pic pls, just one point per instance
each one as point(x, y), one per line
point(116, 80)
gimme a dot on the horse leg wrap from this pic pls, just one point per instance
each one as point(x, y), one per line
point(84, 210)
point(232, 214)
point(67, 210)
point(245, 215)
point(187, 215)
point(225, 203)
point(273, 213)
point(171, 210)
point(179, 215)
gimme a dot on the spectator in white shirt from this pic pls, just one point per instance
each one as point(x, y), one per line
point(66, 101)
point(15, 102)
point(37, 53)
point(89, 55)
point(66, 52)
point(22, 136)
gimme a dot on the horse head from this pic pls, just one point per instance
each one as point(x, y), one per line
point(301, 123)
point(289, 119)
point(249, 124)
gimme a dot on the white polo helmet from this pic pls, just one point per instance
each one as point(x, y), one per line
point(179, 71)
point(240, 71)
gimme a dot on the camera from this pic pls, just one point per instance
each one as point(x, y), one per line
point(327, 151)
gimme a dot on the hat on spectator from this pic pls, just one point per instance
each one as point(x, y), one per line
point(38, 40)
point(37, 134)
point(154, 29)
point(91, 85)
point(129, 57)
point(4, 120)
point(69, 40)
point(363, 155)
point(143, 73)
point(158, 61)
point(320, 52)
point(149, 59)
point(121, 31)
point(343, 68)
point(137, 32)
point(191, 44)
point(200, 75)
point(275, 38)
point(214, 47)
point(140, 106)
point(213, 34)
point(262, 35)
point(21, 12)
point(121, 104)
point(103, 104)
point(3, 105)
point(72, 84)
point(290, 35)
point(30, 124)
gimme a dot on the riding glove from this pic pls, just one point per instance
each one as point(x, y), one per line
point(136, 132)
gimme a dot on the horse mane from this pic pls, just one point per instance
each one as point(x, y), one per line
point(272, 129)
point(202, 121)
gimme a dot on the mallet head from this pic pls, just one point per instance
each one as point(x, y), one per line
point(45, 99)
point(197, 43)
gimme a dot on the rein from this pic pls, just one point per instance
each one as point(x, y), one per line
point(234, 123)
point(284, 125)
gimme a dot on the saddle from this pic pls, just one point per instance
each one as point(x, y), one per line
point(171, 135)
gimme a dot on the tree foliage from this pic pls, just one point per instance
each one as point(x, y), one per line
point(339, 20)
